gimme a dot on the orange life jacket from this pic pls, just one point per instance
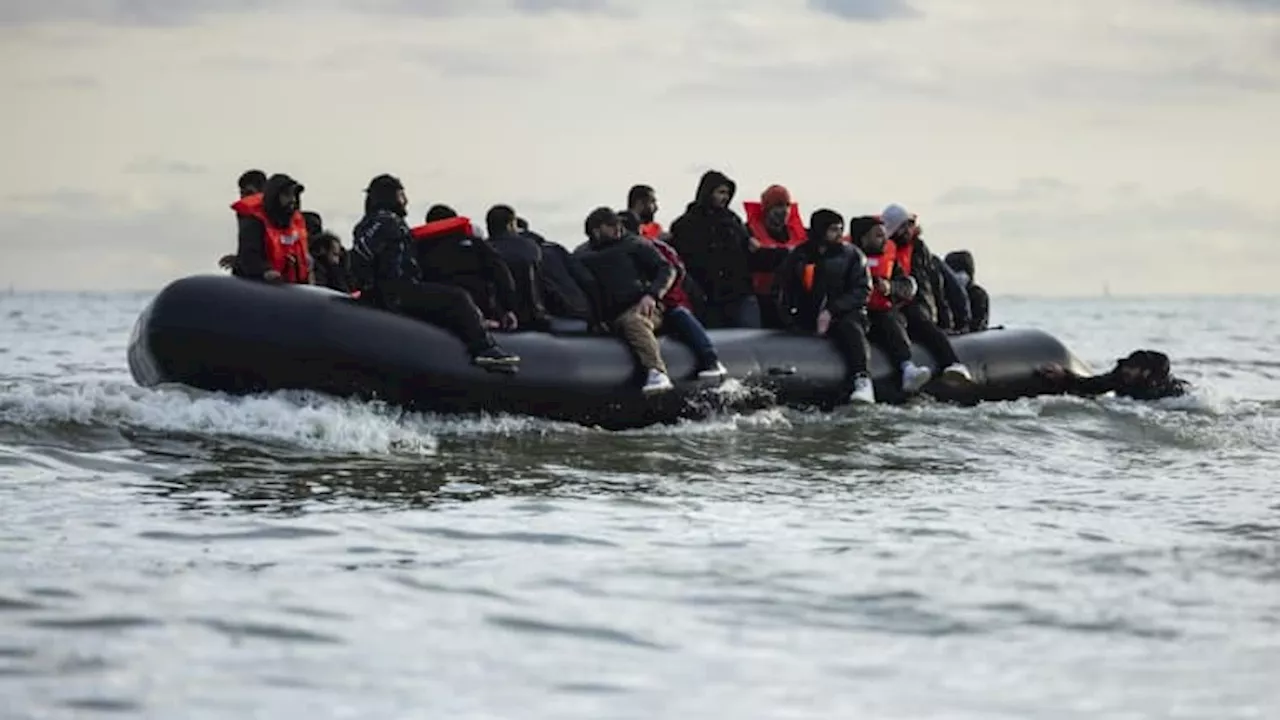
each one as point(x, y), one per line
point(285, 248)
point(881, 267)
point(446, 226)
point(796, 235)
point(903, 256)
point(651, 230)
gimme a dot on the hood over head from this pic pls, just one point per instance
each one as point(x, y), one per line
point(381, 195)
point(820, 221)
point(315, 224)
point(276, 186)
point(711, 180)
point(894, 217)
point(960, 261)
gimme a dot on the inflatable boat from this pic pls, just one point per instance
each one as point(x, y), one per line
point(226, 334)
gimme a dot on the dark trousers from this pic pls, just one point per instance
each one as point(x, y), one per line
point(850, 338)
point(743, 312)
point(448, 306)
point(889, 331)
point(921, 329)
point(683, 325)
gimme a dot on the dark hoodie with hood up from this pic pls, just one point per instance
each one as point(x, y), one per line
point(382, 257)
point(961, 264)
point(713, 242)
point(251, 246)
point(841, 281)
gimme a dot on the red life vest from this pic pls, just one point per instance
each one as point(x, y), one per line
point(446, 226)
point(762, 282)
point(881, 267)
point(285, 249)
point(651, 230)
point(903, 256)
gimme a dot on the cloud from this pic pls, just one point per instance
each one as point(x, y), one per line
point(143, 13)
point(865, 10)
point(158, 166)
point(1027, 189)
point(1257, 6)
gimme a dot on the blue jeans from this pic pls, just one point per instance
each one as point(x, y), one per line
point(741, 313)
point(686, 327)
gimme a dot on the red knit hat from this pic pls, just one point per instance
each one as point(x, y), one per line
point(775, 195)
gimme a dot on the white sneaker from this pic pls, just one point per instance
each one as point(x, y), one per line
point(657, 382)
point(713, 373)
point(957, 372)
point(914, 377)
point(863, 391)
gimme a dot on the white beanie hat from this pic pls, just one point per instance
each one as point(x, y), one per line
point(894, 217)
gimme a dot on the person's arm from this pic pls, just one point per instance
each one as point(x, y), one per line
point(651, 262)
point(857, 287)
point(498, 274)
point(781, 289)
point(251, 258)
point(591, 288)
point(956, 297)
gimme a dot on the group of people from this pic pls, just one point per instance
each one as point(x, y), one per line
point(871, 279)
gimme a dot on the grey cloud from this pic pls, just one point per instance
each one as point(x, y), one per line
point(75, 82)
point(145, 13)
point(865, 10)
point(170, 13)
point(1258, 6)
point(158, 166)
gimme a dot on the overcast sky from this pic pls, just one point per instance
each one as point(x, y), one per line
point(1067, 144)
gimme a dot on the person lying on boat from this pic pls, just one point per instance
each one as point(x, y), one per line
point(329, 262)
point(385, 269)
point(776, 227)
point(716, 248)
point(524, 258)
point(251, 182)
point(1142, 375)
point(625, 277)
point(961, 262)
point(890, 291)
point(912, 258)
point(272, 242)
point(449, 253)
point(562, 296)
point(822, 289)
point(677, 310)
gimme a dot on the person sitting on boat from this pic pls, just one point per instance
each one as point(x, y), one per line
point(561, 294)
point(329, 262)
point(385, 269)
point(1142, 375)
point(677, 310)
point(946, 301)
point(886, 327)
point(272, 243)
point(642, 202)
point(961, 263)
point(449, 253)
point(524, 259)
point(776, 228)
point(822, 288)
point(717, 250)
point(251, 182)
point(625, 277)
point(912, 258)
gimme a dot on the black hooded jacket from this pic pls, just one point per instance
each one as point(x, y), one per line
point(951, 298)
point(841, 279)
point(620, 272)
point(961, 264)
point(561, 294)
point(382, 255)
point(713, 242)
point(251, 247)
point(524, 259)
point(472, 264)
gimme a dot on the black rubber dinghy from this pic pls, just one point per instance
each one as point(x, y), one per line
point(225, 334)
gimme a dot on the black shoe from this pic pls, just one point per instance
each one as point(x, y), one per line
point(495, 357)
